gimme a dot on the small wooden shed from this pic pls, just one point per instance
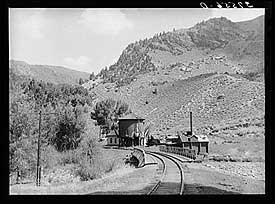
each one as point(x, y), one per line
point(112, 139)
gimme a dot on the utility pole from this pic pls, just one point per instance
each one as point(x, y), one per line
point(191, 123)
point(38, 168)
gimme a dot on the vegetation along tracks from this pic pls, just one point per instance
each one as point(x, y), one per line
point(172, 179)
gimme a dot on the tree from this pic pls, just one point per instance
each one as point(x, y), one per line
point(92, 76)
point(69, 129)
point(22, 133)
point(80, 81)
point(37, 92)
point(107, 112)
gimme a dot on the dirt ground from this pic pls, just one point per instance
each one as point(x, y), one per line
point(220, 178)
point(212, 177)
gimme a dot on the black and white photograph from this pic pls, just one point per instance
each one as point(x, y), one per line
point(137, 101)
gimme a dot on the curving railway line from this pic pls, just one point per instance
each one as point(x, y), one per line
point(172, 178)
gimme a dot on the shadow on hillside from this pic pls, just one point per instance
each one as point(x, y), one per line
point(189, 189)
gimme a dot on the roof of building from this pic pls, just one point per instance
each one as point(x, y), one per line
point(171, 137)
point(111, 134)
point(200, 138)
point(183, 138)
point(170, 143)
point(131, 116)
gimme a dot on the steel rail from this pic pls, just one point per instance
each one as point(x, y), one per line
point(172, 158)
point(156, 186)
point(157, 154)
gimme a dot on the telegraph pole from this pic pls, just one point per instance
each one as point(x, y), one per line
point(191, 123)
point(38, 168)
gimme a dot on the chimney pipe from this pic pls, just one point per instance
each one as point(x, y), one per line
point(191, 123)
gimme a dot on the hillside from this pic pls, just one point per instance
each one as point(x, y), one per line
point(211, 97)
point(229, 109)
point(235, 47)
point(53, 74)
point(214, 69)
point(190, 69)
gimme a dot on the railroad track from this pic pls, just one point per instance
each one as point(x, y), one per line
point(176, 157)
point(172, 179)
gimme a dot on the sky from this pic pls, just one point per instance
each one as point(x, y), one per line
point(88, 39)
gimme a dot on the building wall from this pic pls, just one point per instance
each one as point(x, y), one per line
point(142, 141)
point(195, 146)
point(113, 140)
point(187, 145)
point(194, 139)
point(199, 147)
point(204, 147)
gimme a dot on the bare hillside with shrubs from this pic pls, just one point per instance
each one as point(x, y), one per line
point(211, 97)
point(229, 109)
point(236, 47)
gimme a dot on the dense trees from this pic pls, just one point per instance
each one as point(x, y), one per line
point(47, 94)
point(69, 128)
point(63, 129)
point(22, 127)
point(66, 133)
point(133, 61)
point(107, 112)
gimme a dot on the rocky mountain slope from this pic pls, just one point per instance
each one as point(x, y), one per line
point(234, 47)
point(53, 74)
point(214, 69)
point(165, 103)
point(210, 68)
